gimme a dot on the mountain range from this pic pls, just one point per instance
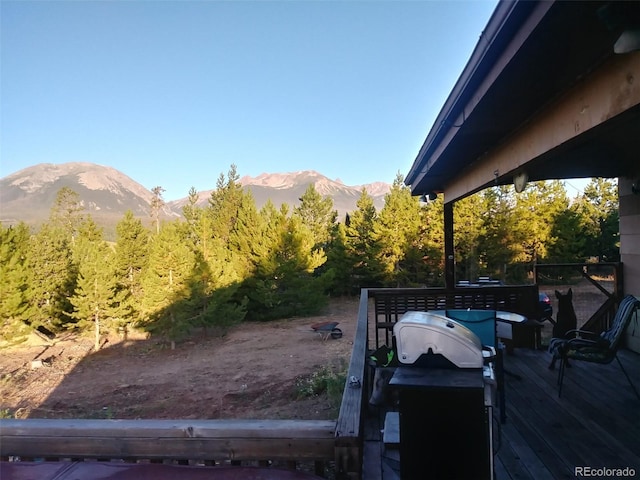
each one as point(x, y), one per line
point(106, 193)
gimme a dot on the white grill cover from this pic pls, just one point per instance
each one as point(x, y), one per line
point(418, 332)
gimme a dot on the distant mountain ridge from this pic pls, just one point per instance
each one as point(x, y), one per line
point(289, 187)
point(106, 193)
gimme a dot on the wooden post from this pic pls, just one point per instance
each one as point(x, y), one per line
point(449, 253)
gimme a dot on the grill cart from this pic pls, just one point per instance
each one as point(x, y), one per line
point(446, 390)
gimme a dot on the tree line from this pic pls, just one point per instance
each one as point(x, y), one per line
point(230, 261)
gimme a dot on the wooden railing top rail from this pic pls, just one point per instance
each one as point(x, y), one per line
point(578, 264)
point(520, 298)
point(349, 427)
point(169, 439)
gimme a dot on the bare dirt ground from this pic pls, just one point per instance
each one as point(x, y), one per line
point(253, 371)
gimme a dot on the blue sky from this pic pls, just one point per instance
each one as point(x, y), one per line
point(172, 93)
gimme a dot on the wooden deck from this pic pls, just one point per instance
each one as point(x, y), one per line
point(595, 424)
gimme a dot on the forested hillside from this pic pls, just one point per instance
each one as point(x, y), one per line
point(229, 261)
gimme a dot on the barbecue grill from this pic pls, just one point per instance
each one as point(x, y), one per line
point(446, 389)
point(421, 334)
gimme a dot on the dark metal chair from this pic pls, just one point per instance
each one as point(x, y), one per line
point(591, 347)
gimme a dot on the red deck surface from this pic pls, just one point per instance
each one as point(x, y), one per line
point(133, 471)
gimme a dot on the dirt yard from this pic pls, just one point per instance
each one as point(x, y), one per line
point(255, 370)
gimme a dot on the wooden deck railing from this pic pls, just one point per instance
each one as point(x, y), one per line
point(348, 446)
point(208, 442)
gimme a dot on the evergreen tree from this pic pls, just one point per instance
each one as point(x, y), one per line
point(52, 278)
point(284, 283)
point(213, 300)
point(130, 261)
point(234, 222)
point(432, 215)
point(216, 277)
point(191, 211)
point(224, 203)
point(497, 243)
point(339, 262)
point(273, 222)
point(317, 214)
point(396, 232)
point(362, 248)
point(535, 212)
point(14, 244)
point(468, 229)
point(66, 212)
point(598, 207)
point(88, 234)
point(167, 284)
point(567, 242)
point(94, 300)
point(245, 238)
point(157, 203)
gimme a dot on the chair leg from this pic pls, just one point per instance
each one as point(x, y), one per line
point(628, 378)
point(561, 375)
point(500, 379)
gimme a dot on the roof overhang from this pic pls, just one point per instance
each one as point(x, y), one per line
point(543, 93)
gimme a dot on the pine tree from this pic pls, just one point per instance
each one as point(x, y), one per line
point(536, 210)
point(14, 244)
point(246, 236)
point(66, 212)
point(432, 234)
point(157, 203)
point(224, 203)
point(94, 300)
point(396, 231)
point(339, 263)
point(232, 219)
point(52, 278)
point(167, 284)
point(191, 210)
point(131, 257)
point(317, 214)
point(468, 228)
point(215, 279)
point(213, 301)
point(88, 234)
point(284, 283)
point(498, 246)
point(567, 242)
point(362, 248)
point(598, 207)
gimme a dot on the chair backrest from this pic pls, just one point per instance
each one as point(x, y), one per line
point(480, 322)
point(627, 307)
